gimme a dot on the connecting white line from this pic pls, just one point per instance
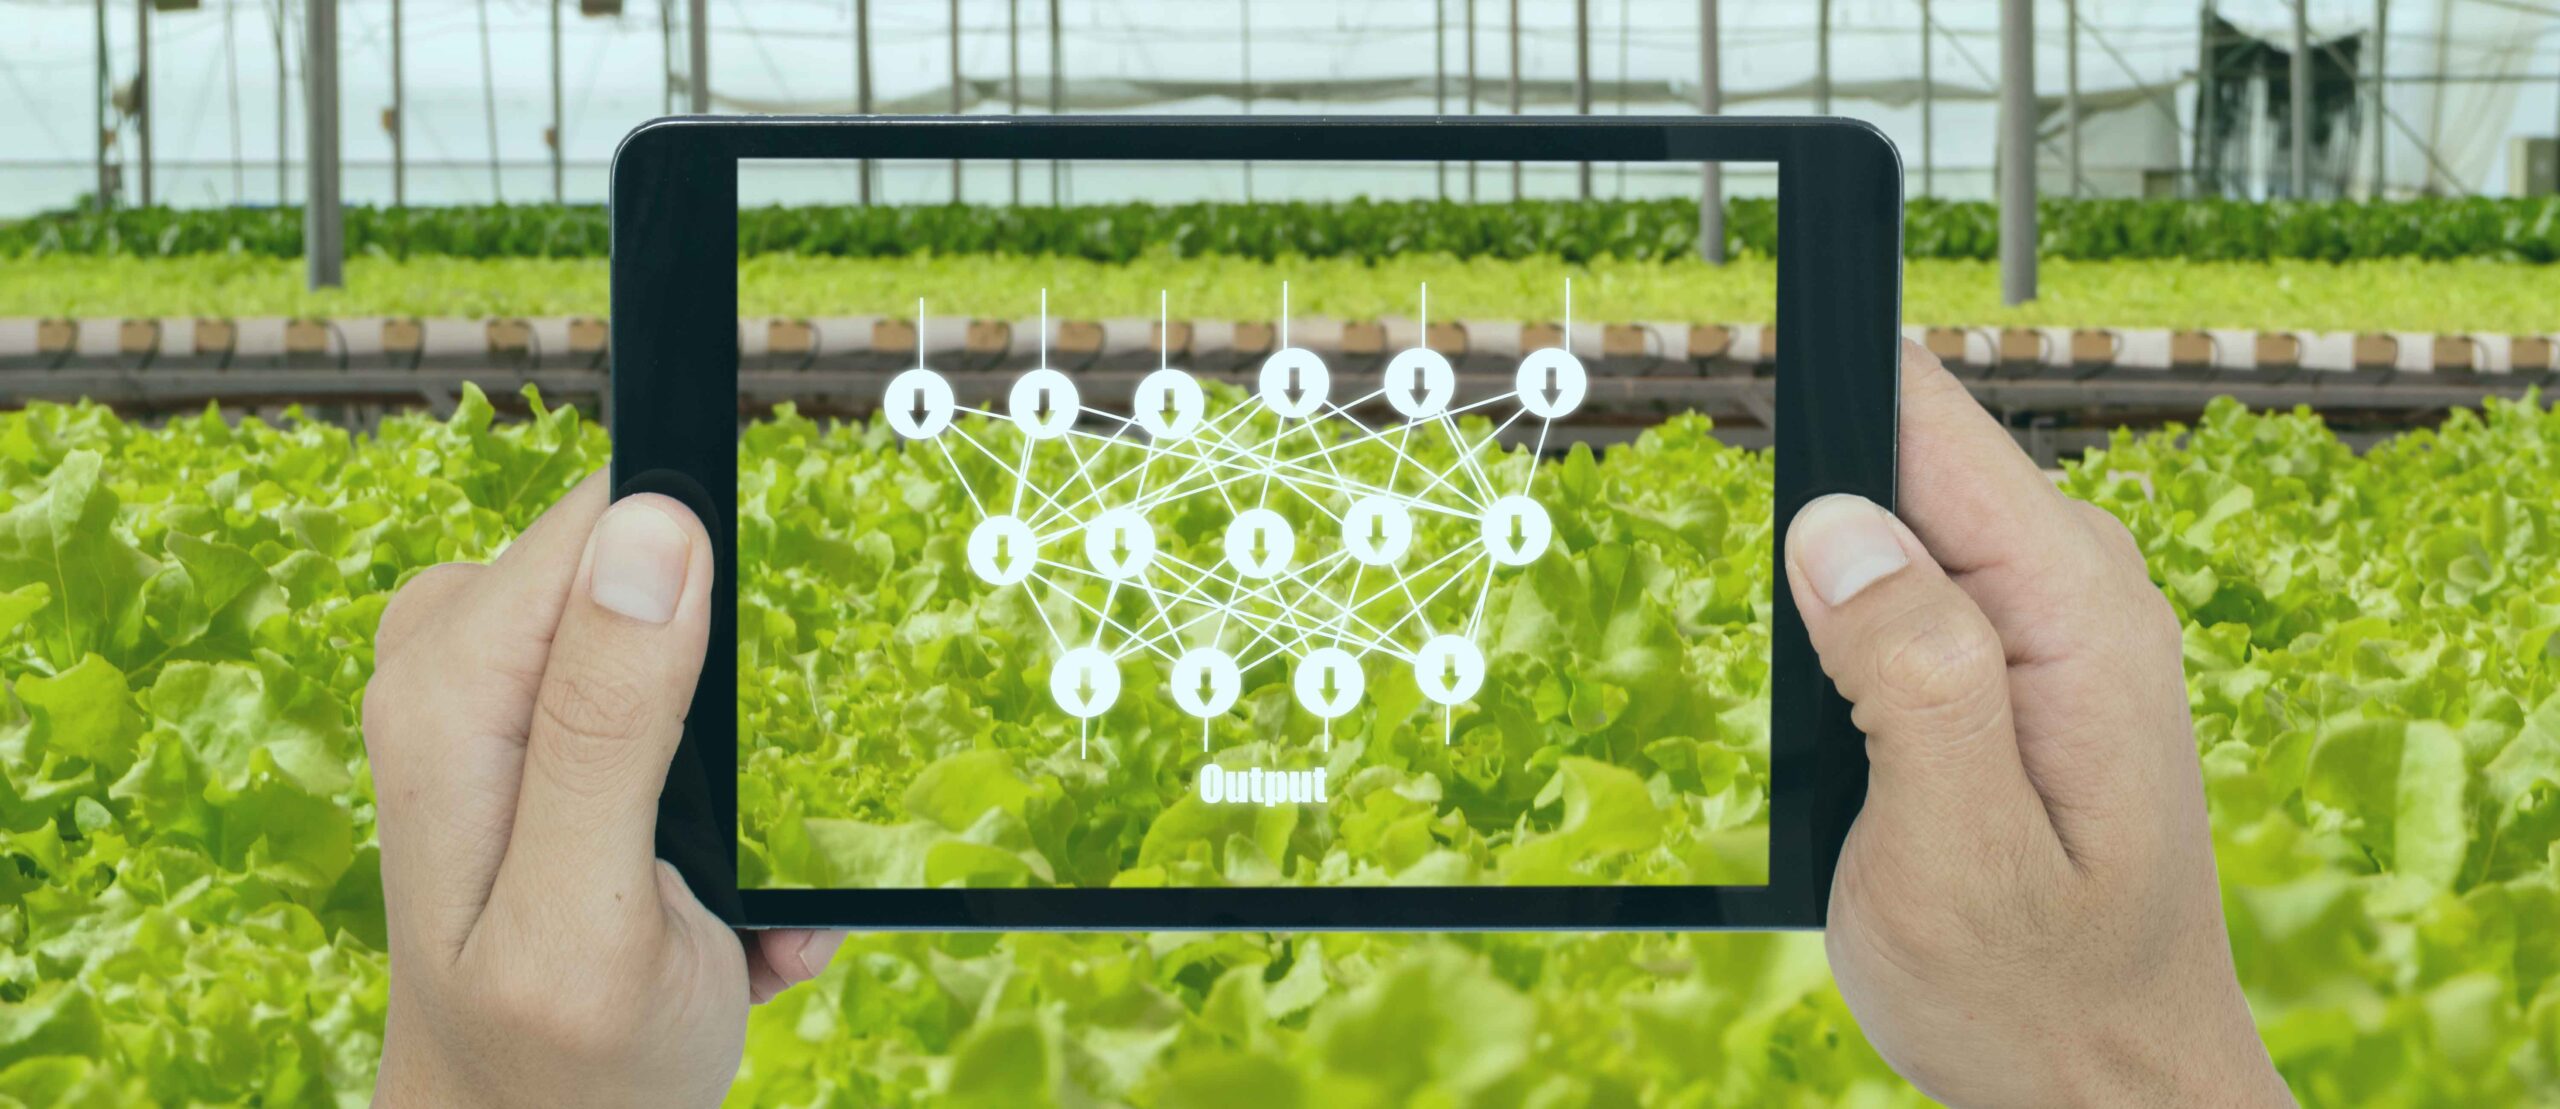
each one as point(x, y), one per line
point(1288, 578)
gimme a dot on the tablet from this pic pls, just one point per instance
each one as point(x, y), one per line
point(1344, 562)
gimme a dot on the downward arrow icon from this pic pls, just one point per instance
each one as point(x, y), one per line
point(922, 411)
point(1261, 550)
point(1041, 410)
point(1292, 392)
point(1519, 539)
point(1330, 690)
point(1171, 410)
point(1378, 531)
point(1552, 391)
point(1119, 546)
point(1448, 671)
point(1208, 688)
point(1004, 550)
point(1084, 685)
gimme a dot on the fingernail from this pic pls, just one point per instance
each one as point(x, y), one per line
point(640, 557)
point(816, 951)
point(1842, 544)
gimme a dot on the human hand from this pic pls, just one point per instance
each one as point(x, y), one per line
point(520, 721)
point(2025, 912)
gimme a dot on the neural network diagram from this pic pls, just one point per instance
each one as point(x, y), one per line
point(1346, 584)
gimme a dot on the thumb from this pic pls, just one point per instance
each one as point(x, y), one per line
point(610, 708)
point(1925, 672)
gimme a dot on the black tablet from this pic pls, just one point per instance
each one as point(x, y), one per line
point(1387, 577)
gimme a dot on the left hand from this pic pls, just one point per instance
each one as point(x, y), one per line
point(520, 721)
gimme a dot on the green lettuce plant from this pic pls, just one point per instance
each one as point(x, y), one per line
point(190, 908)
point(2518, 229)
point(895, 724)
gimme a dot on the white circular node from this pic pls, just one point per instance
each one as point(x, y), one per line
point(1260, 543)
point(1449, 669)
point(1120, 543)
point(1551, 383)
point(1003, 550)
point(1168, 404)
point(1328, 681)
point(1516, 531)
point(1420, 383)
point(1294, 383)
point(918, 403)
point(1377, 531)
point(1043, 404)
point(1085, 681)
point(1206, 682)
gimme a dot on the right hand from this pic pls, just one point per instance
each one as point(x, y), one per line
point(2025, 912)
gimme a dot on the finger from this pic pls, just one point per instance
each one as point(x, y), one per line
point(456, 658)
point(1925, 673)
point(713, 966)
point(763, 983)
point(420, 603)
point(782, 958)
point(2091, 643)
point(414, 788)
point(610, 708)
point(1993, 521)
point(511, 619)
point(481, 633)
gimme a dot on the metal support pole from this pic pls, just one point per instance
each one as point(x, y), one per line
point(1928, 102)
point(1013, 82)
point(100, 95)
point(1582, 82)
point(1057, 93)
point(142, 94)
point(2298, 93)
point(2017, 151)
point(489, 107)
point(1515, 88)
point(231, 99)
point(2071, 88)
point(1710, 102)
point(2435, 116)
point(1244, 70)
point(955, 91)
point(2381, 75)
point(323, 225)
point(399, 121)
point(1822, 58)
point(862, 79)
point(1624, 68)
point(1440, 80)
point(697, 72)
point(1471, 89)
point(284, 115)
point(557, 135)
point(2210, 169)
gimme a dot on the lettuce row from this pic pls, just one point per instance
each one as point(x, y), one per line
point(896, 726)
point(190, 909)
point(2518, 229)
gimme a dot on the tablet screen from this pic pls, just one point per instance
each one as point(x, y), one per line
point(1155, 540)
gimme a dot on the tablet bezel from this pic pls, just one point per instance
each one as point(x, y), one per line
point(672, 409)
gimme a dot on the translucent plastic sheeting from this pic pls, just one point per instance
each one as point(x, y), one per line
point(476, 132)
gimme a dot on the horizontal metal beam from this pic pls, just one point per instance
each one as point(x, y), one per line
point(874, 342)
point(1625, 402)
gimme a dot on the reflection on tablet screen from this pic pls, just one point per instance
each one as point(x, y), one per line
point(1464, 584)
